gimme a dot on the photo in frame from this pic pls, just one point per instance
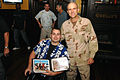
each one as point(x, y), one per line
point(57, 64)
point(60, 64)
point(40, 65)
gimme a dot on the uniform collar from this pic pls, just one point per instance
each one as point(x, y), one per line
point(79, 20)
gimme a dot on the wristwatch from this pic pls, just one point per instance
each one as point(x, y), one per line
point(6, 46)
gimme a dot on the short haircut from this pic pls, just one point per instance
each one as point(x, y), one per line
point(55, 29)
point(60, 4)
point(47, 3)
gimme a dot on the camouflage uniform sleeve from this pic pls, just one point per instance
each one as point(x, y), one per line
point(93, 43)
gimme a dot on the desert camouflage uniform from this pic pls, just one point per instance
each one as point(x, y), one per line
point(82, 45)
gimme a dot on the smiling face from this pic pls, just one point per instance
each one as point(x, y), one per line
point(72, 10)
point(55, 36)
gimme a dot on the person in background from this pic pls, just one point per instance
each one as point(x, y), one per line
point(62, 15)
point(47, 21)
point(4, 43)
point(49, 49)
point(82, 43)
point(19, 24)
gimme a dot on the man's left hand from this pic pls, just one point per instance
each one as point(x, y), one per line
point(52, 25)
point(6, 51)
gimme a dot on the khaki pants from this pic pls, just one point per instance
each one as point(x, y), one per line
point(84, 72)
point(45, 33)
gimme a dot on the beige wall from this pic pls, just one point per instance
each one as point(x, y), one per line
point(24, 6)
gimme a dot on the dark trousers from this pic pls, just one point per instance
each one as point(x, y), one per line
point(17, 34)
point(41, 77)
point(2, 70)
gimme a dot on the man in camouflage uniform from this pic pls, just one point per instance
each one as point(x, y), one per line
point(81, 41)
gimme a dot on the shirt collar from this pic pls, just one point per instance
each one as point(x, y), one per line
point(79, 20)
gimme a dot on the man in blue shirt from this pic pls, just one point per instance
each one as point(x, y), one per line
point(48, 49)
point(62, 15)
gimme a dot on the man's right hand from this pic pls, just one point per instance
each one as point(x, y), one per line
point(27, 70)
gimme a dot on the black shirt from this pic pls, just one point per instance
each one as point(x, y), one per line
point(19, 18)
point(3, 28)
point(50, 50)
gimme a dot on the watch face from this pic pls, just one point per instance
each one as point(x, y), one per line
point(6, 47)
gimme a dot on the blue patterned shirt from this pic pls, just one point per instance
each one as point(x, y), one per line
point(42, 48)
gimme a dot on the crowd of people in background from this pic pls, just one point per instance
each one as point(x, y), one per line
point(77, 32)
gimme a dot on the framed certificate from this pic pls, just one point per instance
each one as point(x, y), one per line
point(40, 65)
point(57, 64)
point(60, 64)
